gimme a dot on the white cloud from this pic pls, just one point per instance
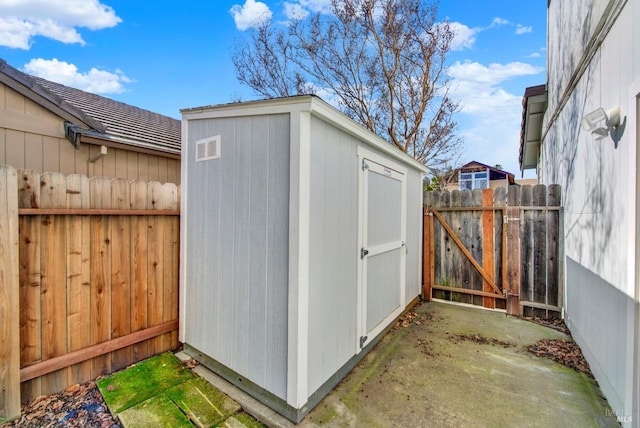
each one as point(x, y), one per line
point(535, 55)
point(95, 81)
point(490, 116)
point(492, 74)
point(521, 29)
point(322, 6)
point(295, 11)
point(21, 20)
point(499, 21)
point(251, 14)
point(464, 37)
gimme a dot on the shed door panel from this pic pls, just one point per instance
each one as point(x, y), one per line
point(383, 247)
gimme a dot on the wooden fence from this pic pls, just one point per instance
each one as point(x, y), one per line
point(496, 248)
point(88, 279)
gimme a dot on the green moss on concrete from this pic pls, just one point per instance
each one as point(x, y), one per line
point(158, 411)
point(137, 383)
point(247, 421)
point(202, 403)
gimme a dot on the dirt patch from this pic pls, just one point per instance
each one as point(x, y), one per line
point(77, 406)
point(565, 352)
point(479, 339)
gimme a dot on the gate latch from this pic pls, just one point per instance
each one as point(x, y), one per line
point(363, 252)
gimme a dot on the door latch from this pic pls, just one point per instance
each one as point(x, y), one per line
point(363, 252)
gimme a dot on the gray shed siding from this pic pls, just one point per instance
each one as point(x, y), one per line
point(237, 276)
point(414, 235)
point(333, 250)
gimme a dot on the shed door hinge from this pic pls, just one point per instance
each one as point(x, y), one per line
point(363, 339)
point(364, 165)
point(363, 252)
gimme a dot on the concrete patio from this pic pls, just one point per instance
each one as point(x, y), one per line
point(452, 366)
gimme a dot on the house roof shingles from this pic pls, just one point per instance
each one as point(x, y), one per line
point(128, 124)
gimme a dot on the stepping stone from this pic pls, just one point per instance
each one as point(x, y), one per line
point(158, 411)
point(203, 404)
point(241, 420)
point(142, 381)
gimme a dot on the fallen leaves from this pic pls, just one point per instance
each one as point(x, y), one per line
point(565, 352)
point(482, 340)
point(77, 406)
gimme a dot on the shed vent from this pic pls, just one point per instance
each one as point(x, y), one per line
point(208, 148)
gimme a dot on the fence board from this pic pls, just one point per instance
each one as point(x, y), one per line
point(539, 274)
point(100, 189)
point(512, 255)
point(488, 236)
point(476, 244)
point(154, 264)
point(171, 238)
point(528, 242)
point(138, 195)
point(29, 254)
point(78, 275)
point(120, 231)
point(53, 194)
point(9, 295)
point(554, 291)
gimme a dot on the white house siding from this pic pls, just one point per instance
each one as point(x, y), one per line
point(598, 180)
point(237, 276)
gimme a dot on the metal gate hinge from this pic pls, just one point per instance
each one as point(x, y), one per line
point(363, 252)
point(362, 340)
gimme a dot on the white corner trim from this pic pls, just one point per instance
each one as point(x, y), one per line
point(299, 227)
point(184, 167)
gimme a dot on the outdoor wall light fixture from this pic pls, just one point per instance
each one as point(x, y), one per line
point(592, 122)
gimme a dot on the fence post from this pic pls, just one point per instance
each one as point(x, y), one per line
point(9, 295)
point(512, 223)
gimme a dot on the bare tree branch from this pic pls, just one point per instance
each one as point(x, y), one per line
point(384, 61)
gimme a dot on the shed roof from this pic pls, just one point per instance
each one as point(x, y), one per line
point(102, 117)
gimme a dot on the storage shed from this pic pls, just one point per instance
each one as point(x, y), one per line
point(301, 242)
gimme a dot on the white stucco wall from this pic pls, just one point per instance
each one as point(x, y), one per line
point(598, 179)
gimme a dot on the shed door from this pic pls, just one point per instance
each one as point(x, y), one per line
point(383, 246)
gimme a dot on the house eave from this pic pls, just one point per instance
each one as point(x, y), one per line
point(534, 105)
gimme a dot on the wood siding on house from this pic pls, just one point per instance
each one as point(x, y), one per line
point(32, 137)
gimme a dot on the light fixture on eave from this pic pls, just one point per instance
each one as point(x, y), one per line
point(593, 122)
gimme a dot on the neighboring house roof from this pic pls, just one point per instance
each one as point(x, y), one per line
point(98, 117)
point(534, 104)
point(494, 173)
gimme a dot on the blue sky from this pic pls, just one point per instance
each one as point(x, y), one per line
point(167, 55)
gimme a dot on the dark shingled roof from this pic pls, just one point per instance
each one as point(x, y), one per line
point(128, 124)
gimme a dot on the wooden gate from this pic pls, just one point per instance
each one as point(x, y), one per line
point(496, 248)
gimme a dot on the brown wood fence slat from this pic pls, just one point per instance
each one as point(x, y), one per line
point(30, 280)
point(95, 288)
point(508, 244)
